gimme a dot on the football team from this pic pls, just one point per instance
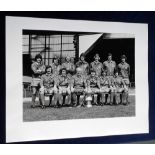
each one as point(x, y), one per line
point(81, 84)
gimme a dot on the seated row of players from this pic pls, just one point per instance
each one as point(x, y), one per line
point(72, 85)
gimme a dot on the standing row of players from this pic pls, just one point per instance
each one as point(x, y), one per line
point(81, 84)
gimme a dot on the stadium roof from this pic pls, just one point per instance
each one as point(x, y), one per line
point(47, 32)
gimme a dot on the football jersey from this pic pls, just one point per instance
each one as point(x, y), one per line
point(48, 80)
point(63, 81)
point(117, 81)
point(97, 66)
point(55, 69)
point(93, 81)
point(78, 81)
point(110, 67)
point(124, 70)
point(104, 81)
point(69, 67)
point(38, 69)
point(84, 66)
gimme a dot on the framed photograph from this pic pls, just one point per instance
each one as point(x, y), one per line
point(75, 78)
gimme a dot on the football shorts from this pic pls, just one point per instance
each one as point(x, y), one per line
point(44, 90)
point(64, 90)
point(104, 89)
point(35, 82)
point(92, 90)
point(119, 90)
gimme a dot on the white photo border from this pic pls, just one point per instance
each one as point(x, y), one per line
point(17, 130)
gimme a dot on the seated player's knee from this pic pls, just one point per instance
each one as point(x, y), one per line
point(107, 90)
point(101, 91)
point(64, 91)
point(60, 91)
point(73, 90)
point(34, 90)
point(97, 91)
point(68, 91)
point(112, 89)
point(51, 92)
point(119, 91)
point(116, 94)
point(126, 90)
point(60, 97)
point(55, 91)
point(42, 90)
point(88, 91)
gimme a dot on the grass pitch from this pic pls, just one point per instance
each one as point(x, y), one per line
point(64, 113)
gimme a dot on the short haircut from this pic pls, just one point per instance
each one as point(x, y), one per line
point(96, 55)
point(82, 55)
point(123, 57)
point(109, 54)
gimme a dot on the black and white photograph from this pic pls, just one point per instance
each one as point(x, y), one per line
point(77, 75)
point(75, 78)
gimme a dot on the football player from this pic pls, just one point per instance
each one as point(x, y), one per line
point(83, 65)
point(105, 87)
point(55, 66)
point(48, 87)
point(70, 67)
point(119, 87)
point(124, 72)
point(96, 65)
point(64, 86)
point(38, 68)
point(109, 66)
point(93, 89)
point(78, 86)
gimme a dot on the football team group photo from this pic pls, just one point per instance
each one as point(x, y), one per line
point(77, 75)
